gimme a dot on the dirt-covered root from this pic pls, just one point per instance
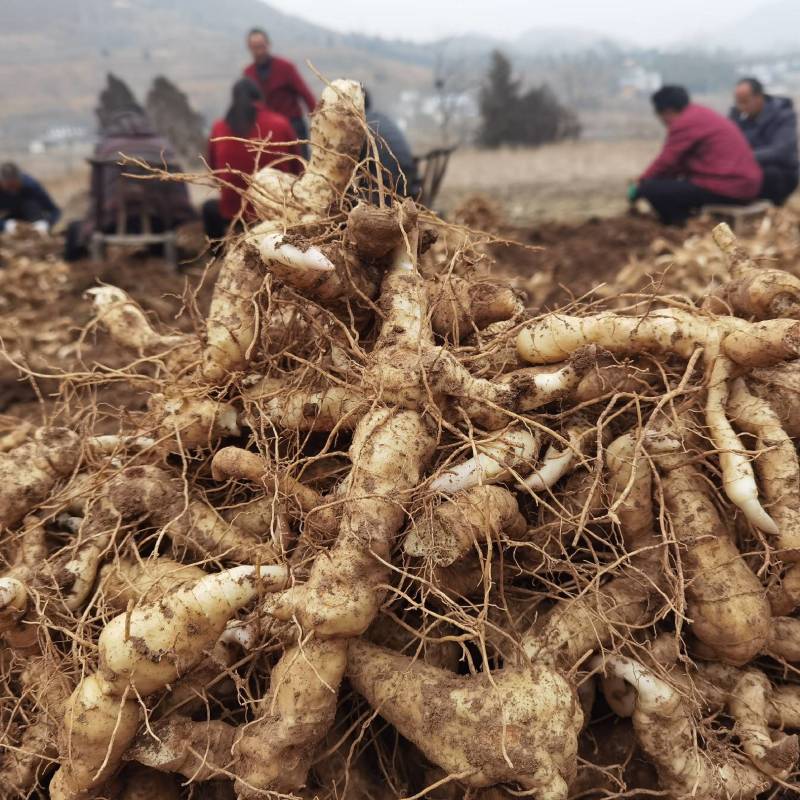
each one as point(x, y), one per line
point(141, 652)
point(754, 292)
point(336, 407)
point(389, 452)
point(577, 626)
point(152, 494)
point(665, 727)
point(504, 456)
point(560, 460)
point(630, 499)
point(329, 275)
point(337, 133)
point(511, 726)
point(200, 751)
point(128, 327)
point(465, 523)
point(375, 232)
point(553, 337)
point(783, 591)
point(22, 765)
point(607, 378)
point(784, 711)
point(487, 403)
point(749, 704)
point(277, 750)
point(336, 136)
point(231, 325)
point(780, 387)
point(776, 465)
point(125, 581)
point(460, 306)
point(725, 601)
point(29, 472)
point(303, 502)
point(784, 640)
point(28, 572)
point(188, 419)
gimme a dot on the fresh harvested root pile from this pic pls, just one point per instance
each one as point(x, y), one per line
point(384, 533)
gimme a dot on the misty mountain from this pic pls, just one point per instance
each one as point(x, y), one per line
point(564, 41)
point(771, 29)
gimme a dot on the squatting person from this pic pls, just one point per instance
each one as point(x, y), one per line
point(770, 125)
point(705, 159)
point(24, 199)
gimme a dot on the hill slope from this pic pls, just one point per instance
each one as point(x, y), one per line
point(54, 54)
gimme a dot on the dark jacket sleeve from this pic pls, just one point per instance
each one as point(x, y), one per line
point(300, 86)
point(783, 147)
point(39, 193)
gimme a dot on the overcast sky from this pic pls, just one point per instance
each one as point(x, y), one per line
point(641, 21)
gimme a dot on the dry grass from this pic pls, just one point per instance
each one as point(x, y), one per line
point(571, 180)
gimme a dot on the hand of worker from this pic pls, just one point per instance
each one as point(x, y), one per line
point(41, 227)
point(633, 191)
point(10, 226)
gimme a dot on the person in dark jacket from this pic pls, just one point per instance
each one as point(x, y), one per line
point(770, 125)
point(399, 171)
point(705, 159)
point(281, 85)
point(24, 199)
point(128, 132)
point(233, 159)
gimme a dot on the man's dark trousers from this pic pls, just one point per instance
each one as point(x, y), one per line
point(778, 184)
point(676, 200)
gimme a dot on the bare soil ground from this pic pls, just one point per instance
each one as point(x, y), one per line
point(45, 336)
point(569, 181)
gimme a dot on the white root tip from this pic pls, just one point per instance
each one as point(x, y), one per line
point(742, 493)
point(69, 522)
point(227, 422)
point(13, 594)
point(273, 248)
point(106, 444)
point(619, 695)
point(237, 586)
point(244, 636)
point(555, 464)
point(104, 296)
point(490, 465)
point(651, 690)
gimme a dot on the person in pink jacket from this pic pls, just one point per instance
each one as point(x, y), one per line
point(705, 159)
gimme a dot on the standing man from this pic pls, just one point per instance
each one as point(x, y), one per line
point(770, 125)
point(281, 84)
point(705, 159)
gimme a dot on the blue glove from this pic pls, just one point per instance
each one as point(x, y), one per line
point(633, 192)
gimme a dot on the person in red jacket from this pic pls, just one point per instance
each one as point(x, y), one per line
point(705, 159)
point(239, 145)
point(281, 84)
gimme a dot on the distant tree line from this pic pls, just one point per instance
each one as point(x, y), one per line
point(511, 116)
